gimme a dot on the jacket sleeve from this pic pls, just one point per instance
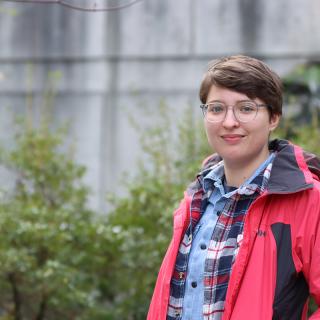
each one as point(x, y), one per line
point(314, 274)
point(313, 256)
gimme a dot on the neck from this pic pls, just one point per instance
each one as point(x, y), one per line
point(237, 174)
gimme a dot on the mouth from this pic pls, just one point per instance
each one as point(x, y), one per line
point(232, 138)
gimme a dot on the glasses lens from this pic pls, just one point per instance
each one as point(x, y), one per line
point(215, 112)
point(245, 111)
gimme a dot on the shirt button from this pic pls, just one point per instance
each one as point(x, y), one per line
point(203, 246)
point(193, 284)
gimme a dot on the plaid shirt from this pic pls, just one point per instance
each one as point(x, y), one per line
point(222, 250)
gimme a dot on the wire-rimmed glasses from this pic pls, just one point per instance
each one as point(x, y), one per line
point(243, 111)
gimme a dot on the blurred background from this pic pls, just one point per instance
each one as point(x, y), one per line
point(101, 131)
point(103, 66)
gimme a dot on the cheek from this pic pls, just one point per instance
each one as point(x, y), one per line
point(209, 130)
point(261, 131)
point(212, 133)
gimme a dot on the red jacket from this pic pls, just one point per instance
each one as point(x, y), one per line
point(278, 264)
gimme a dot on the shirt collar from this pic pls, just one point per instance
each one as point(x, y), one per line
point(215, 176)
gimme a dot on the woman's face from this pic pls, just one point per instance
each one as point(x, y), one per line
point(239, 144)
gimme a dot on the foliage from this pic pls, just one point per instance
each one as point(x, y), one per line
point(53, 253)
point(302, 88)
point(305, 74)
point(305, 136)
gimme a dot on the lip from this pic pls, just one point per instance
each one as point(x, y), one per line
point(232, 138)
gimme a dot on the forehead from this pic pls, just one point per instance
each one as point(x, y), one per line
point(226, 95)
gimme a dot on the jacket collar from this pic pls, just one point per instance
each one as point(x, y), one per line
point(290, 171)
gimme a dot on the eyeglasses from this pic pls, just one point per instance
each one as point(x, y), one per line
point(243, 111)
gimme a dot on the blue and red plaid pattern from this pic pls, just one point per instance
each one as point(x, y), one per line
point(222, 250)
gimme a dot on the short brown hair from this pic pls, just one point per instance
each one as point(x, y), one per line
point(246, 75)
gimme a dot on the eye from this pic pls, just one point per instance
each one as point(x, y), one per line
point(246, 107)
point(216, 108)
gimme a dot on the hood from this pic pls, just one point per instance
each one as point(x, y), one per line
point(290, 170)
point(313, 163)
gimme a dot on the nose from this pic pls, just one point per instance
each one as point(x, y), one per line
point(230, 120)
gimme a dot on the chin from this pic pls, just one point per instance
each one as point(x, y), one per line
point(234, 156)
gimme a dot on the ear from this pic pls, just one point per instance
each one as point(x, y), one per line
point(274, 121)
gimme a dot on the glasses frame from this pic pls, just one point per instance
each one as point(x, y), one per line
point(204, 108)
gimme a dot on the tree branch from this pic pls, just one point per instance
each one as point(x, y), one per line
point(42, 308)
point(16, 296)
point(94, 8)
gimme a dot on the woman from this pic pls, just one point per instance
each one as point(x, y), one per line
point(246, 240)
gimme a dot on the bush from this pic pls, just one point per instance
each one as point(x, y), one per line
point(54, 251)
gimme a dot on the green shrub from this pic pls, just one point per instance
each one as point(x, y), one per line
point(54, 252)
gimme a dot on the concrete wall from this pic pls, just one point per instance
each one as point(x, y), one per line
point(110, 63)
